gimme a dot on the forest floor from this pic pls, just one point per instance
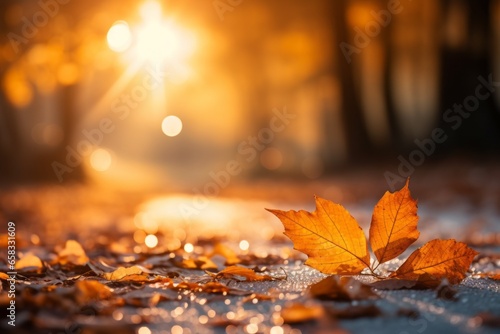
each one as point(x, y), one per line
point(179, 244)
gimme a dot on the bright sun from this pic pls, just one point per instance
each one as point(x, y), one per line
point(154, 40)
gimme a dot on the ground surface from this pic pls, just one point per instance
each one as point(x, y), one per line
point(174, 293)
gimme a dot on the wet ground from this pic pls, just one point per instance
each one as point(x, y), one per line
point(179, 239)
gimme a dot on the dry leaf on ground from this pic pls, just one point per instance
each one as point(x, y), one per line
point(29, 262)
point(297, 313)
point(73, 253)
point(241, 274)
point(341, 289)
point(90, 290)
point(438, 259)
point(329, 236)
point(226, 252)
point(394, 224)
point(335, 244)
point(127, 274)
point(354, 312)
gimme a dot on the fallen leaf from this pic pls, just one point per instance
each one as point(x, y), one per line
point(29, 262)
point(91, 290)
point(489, 319)
point(269, 259)
point(4, 276)
point(127, 274)
point(423, 283)
point(73, 253)
point(335, 244)
point(438, 259)
point(241, 273)
point(214, 287)
point(408, 312)
point(341, 289)
point(226, 252)
point(446, 292)
point(493, 276)
point(201, 262)
point(329, 236)
point(148, 297)
point(354, 312)
point(297, 313)
point(394, 224)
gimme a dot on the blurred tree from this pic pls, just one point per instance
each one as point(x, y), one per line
point(467, 54)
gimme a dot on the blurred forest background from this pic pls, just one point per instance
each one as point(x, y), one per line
point(228, 65)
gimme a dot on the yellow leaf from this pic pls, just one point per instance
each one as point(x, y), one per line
point(29, 261)
point(126, 274)
point(438, 259)
point(329, 236)
point(394, 224)
point(226, 252)
point(90, 290)
point(202, 262)
point(297, 313)
point(73, 253)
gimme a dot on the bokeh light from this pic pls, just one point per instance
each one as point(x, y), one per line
point(47, 134)
point(171, 126)
point(151, 241)
point(312, 167)
point(68, 74)
point(271, 158)
point(119, 36)
point(150, 10)
point(188, 248)
point(143, 330)
point(160, 40)
point(100, 160)
point(244, 245)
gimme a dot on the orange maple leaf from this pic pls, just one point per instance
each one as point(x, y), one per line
point(438, 259)
point(330, 236)
point(335, 244)
point(394, 224)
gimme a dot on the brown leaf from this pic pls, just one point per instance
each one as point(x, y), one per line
point(489, 319)
point(394, 224)
point(446, 292)
point(354, 312)
point(341, 289)
point(424, 282)
point(408, 312)
point(436, 260)
point(329, 236)
point(297, 313)
point(241, 273)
